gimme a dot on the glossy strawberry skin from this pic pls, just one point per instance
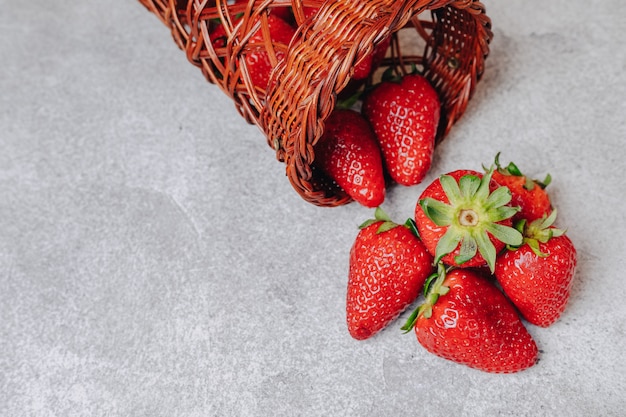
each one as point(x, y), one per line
point(405, 117)
point(533, 203)
point(475, 325)
point(539, 286)
point(258, 61)
point(431, 233)
point(372, 61)
point(387, 272)
point(348, 153)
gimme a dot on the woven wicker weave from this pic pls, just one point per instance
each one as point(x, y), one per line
point(318, 63)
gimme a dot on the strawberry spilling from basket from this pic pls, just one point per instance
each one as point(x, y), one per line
point(349, 110)
point(289, 64)
point(496, 267)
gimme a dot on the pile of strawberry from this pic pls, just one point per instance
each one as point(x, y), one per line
point(482, 247)
point(393, 134)
point(483, 250)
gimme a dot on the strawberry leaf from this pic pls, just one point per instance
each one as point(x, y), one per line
point(410, 224)
point(367, 223)
point(467, 251)
point(503, 213)
point(468, 185)
point(380, 214)
point(487, 250)
point(451, 188)
point(505, 234)
point(534, 246)
point(440, 213)
point(448, 242)
point(514, 170)
point(410, 322)
point(500, 197)
point(483, 191)
point(386, 226)
point(546, 181)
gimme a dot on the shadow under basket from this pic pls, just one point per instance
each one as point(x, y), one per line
point(316, 66)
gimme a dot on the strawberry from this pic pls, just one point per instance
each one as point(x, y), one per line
point(348, 153)
point(464, 219)
point(371, 61)
point(405, 116)
point(388, 267)
point(257, 58)
point(466, 319)
point(530, 195)
point(282, 12)
point(537, 276)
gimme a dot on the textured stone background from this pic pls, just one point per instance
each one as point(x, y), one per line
point(155, 261)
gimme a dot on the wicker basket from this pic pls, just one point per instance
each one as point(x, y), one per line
point(317, 65)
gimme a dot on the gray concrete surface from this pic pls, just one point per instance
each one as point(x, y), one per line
point(155, 261)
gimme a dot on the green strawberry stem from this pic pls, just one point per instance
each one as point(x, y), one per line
point(512, 169)
point(387, 224)
point(350, 101)
point(433, 289)
point(538, 231)
point(472, 212)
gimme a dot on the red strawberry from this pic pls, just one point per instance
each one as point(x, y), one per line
point(530, 195)
point(464, 219)
point(257, 58)
point(388, 268)
point(282, 12)
point(349, 154)
point(537, 276)
point(372, 61)
point(466, 319)
point(405, 116)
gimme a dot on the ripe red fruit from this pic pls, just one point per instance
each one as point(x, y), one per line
point(537, 276)
point(405, 117)
point(464, 219)
point(372, 61)
point(388, 268)
point(466, 319)
point(530, 195)
point(257, 58)
point(348, 153)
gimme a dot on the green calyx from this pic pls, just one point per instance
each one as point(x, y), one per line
point(391, 74)
point(387, 224)
point(538, 231)
point(350, 101)
point(433, 289)
point(512, 169)
point(472, 214)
